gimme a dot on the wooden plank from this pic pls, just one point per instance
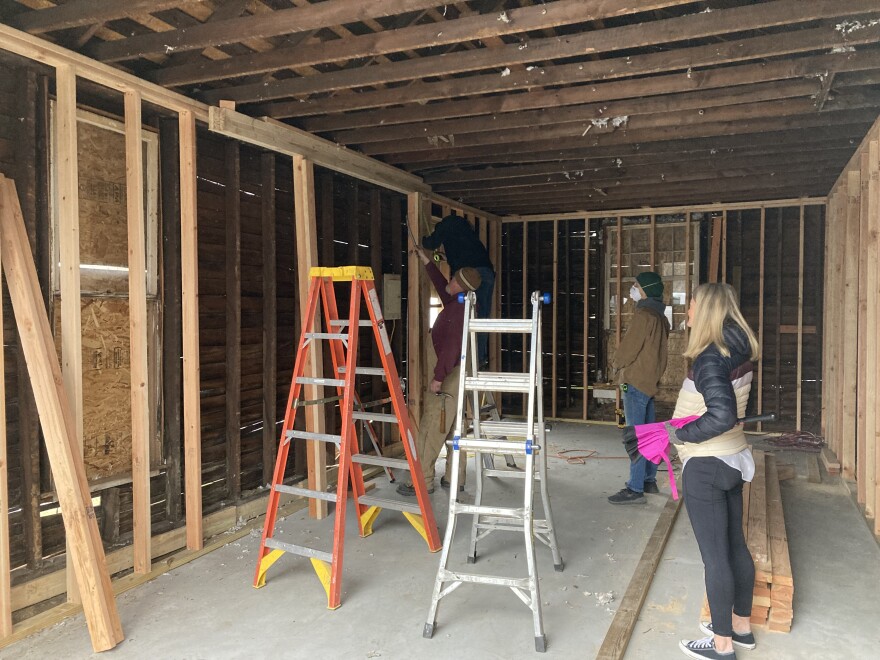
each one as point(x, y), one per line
point(263, 25)
point(688, 270)
point(761, 250)
point(286, 139)
point(850, 329)
point(172, 332)
point(414, 321)
point(232, 194)
point(813, 474)
point(5, 567)
point(861, 386)
point(78, 13)
point(464, 28)
point(872, 304)
point(757, 538)
point(724, 246)
point(192, 426)
point(138, 321)
point(69, 271)
point(800, 320)
point(586, 320)
point(829, 460)
point(619, 633)
point(715, 249)
point(525, 304)
point(306, 258)
point(86, 553)
point(270, 315)
point(779, 556)
point(554, 321)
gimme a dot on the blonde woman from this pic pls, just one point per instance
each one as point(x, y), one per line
point(716, 462)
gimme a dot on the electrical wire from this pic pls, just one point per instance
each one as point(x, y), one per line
point(580, 456)
point(798, 441)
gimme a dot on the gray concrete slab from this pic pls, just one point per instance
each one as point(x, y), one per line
point(208, 608)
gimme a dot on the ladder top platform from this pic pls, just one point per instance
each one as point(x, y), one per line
point(343, 273)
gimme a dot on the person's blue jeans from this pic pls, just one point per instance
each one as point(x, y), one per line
point(484, 308)
point(638, 408)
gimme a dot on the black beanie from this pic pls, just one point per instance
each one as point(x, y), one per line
point(651, 284)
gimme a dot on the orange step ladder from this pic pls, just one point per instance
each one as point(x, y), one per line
point(342, 336)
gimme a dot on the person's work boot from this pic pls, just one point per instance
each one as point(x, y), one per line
point(445, 484)
point(410, 491)
point(627, 496)
point(704, 648)
point(651, 488)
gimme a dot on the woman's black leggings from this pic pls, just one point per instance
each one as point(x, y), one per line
point(713, 496)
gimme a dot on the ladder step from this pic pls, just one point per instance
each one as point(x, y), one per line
point(327, 335)
point(320, 437)
point(394, 505)
point(386, 418)
point(498, 382)
point(300, 550)
point(342, 323)
point(383, 461)
point(454, 576)
point(329, 382)
point(501, 446)
point(365, 371)
point(515, 429)
point(306, 492)
point(507, 474)
point(482, 509)
point(500, 325)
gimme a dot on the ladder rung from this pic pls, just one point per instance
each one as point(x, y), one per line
point(329, 382)
point(386, 418)
point(306, 492)
point(516, 429)
point(499, 446)
point(500, 325)
point(454, 576)
point(300, 550)
point(502, 511)
point(326, 335)
point(394, 505)
point(498, 382)
point(383, 461)
point(320, 437)
point(506, 474)
point(365, 371)
point(341, 323)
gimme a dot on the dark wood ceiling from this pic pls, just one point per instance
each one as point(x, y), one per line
point(524, 106)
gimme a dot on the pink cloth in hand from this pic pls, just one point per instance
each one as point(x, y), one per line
point(653, 442)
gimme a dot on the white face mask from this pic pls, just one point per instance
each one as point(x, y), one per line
point(635, 294)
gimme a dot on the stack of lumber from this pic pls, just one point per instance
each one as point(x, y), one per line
point(764, 528)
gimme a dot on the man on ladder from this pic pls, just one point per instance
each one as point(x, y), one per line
point(436, 424)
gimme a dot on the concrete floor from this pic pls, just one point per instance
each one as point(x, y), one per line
point(208, 608)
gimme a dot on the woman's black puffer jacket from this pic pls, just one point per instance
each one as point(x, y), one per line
point(714, 375)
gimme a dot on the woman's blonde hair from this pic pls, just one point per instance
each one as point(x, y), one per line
point(715, 303)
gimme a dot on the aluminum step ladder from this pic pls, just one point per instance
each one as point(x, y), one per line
point(342, 337)
point(479, 440)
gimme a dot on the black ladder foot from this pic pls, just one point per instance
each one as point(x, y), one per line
point(559, 567)
point(540, 643)
point(428, 632)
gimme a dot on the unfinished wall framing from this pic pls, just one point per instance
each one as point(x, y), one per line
point(850, 412)
point(573, 253)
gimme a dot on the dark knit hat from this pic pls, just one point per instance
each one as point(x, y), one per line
point(469, 278)
point(651, 284)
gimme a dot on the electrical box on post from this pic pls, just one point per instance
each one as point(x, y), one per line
point(391, 296)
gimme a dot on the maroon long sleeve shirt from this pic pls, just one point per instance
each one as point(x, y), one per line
point(446, 333)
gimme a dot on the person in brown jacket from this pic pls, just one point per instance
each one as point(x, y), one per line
point(641, 361)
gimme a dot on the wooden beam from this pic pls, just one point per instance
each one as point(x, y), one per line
point(861, 387)
point(850, 328)
point(79, 13)
point(172, 333)
point(270, 314)
point(86, 553)
point(5, 566)
point(192, 426)
point(271, 24)
point(651, 33)
point(688, 270)
point(233, 318)
point(872, 328)
point(554, 321)
point(431, 35)
point(761, 251)
point(69, 272)
point(138, 321)
point(624, 622)
point(715, 249)
point(306, 258)
point(285, 139)
point(415, 368)
point(800, 320)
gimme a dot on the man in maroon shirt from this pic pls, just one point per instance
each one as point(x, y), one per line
point(446, 339)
